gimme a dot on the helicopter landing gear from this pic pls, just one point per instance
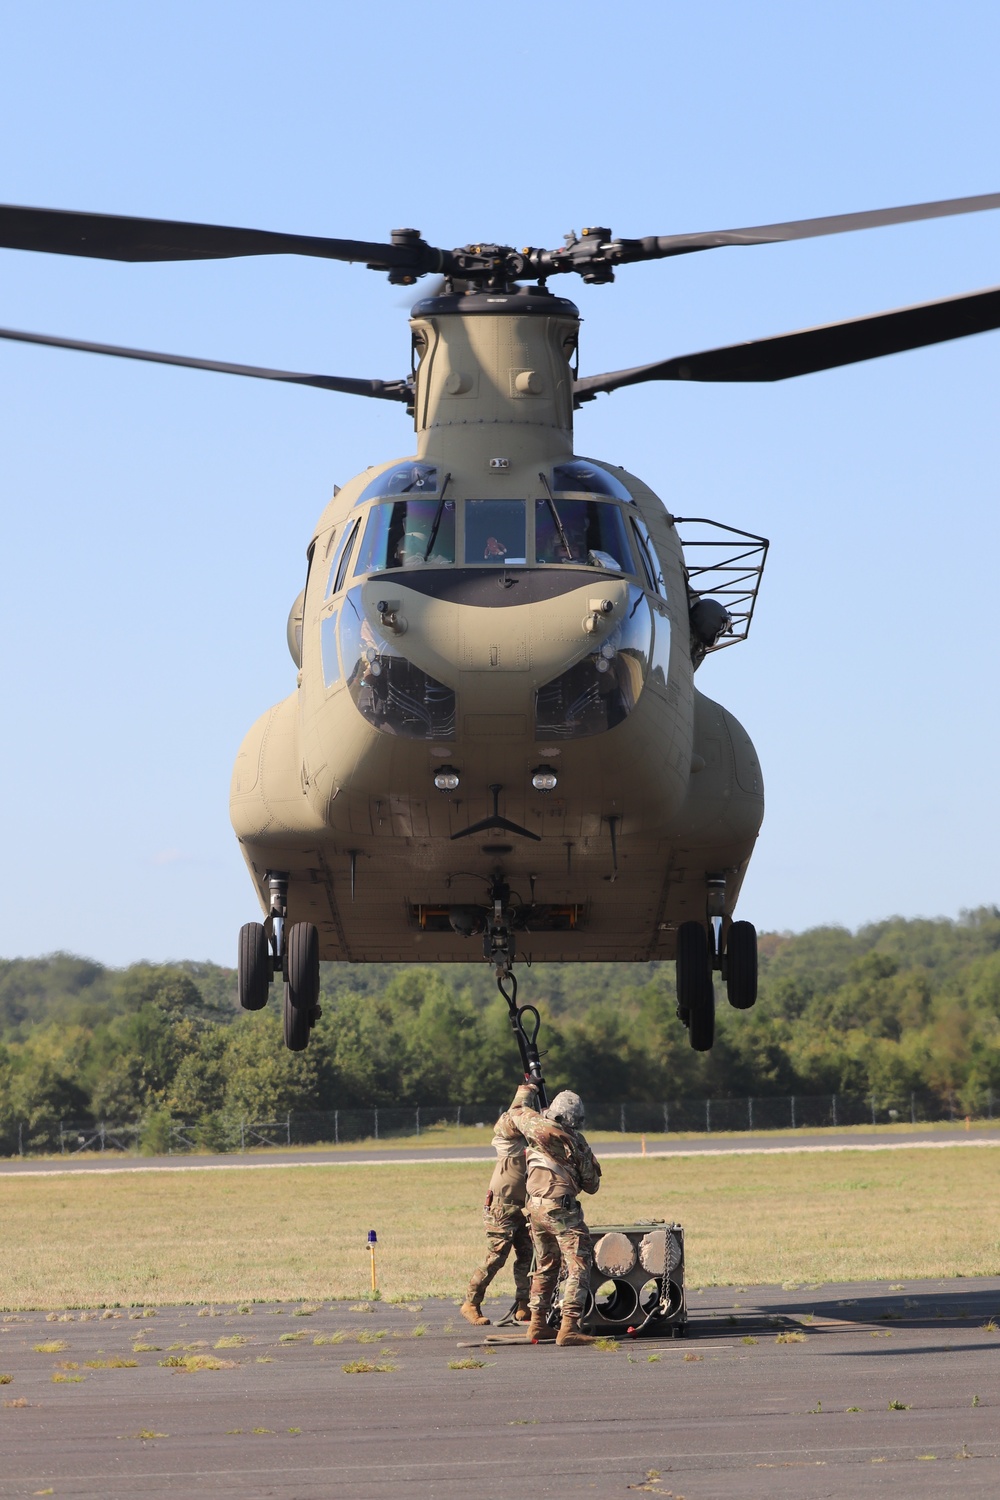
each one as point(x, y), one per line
point(741, 965)
point(695, 990)
point(253, 967)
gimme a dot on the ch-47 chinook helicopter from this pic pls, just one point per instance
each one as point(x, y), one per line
point(495, 731)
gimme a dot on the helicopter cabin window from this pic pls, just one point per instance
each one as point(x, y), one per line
point(341, 559)
point(591, 532)
point(496, 532)
point(403, 479)
point(408, 534)
point(650, 561)
point(579, 476)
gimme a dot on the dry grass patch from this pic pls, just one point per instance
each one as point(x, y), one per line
point(366, 1367)
point(299, 1235)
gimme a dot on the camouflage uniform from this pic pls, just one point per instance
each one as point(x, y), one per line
point(560, 1166)
point(503, 1213)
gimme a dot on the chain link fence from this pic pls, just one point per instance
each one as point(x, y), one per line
point(462, 1123)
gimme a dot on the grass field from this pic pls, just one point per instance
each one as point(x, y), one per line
point(291, 1233)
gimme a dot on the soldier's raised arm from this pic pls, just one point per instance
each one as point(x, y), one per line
point(588, 1169)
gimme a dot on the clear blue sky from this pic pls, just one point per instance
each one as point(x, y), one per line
point(155, 520)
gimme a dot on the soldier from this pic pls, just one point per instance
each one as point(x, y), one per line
point(560, 1166)
point(504, 1219)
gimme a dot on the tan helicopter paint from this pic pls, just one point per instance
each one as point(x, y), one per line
point(317, 790)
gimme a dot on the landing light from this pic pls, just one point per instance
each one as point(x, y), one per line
point(446, 779)
point(544, 779)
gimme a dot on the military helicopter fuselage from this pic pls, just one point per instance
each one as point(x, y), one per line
point(496, 631)
point(495, 732)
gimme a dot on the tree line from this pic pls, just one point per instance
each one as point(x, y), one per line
point(898, 1006)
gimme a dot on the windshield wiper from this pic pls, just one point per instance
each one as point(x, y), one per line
point(437, 517)
point(555, 516)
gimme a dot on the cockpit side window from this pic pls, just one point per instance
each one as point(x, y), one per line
point(408, 534)
point(341, 558)
point(650, 561)
point(581, 531)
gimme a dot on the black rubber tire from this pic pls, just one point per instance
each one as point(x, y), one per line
point(741, 965)
point(695, 991)
point(701, 1027)
point(302, 966)
point(297, 1024)
point(694, 966)
point(253, 967)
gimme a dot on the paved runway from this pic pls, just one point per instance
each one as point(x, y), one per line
point(880, 1391)
point(368, 1155)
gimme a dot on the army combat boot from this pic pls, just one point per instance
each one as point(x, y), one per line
point(472, 1308)
point(539, 1331)
point(569, 1331)
point(522, 1313)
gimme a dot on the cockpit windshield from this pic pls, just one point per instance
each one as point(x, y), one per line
point(408, 534)
point(581, 531)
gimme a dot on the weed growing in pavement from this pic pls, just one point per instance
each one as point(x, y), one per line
point(608, 1346)
point(114, 1363)
point(231, 1341)
point(146, 1349)
point(59, 1378)
point(418, 1330)
point(367, 1336)
point(791, 1336)
point(853, 1408)
point(816, 1411)
point(146, 1434)
point(54, 1346)
point(467, 1364)
point(653, 1359)
point(191, 1364)
point(366, 1367)
point(898, 1406)
point(991, 1326)
point(17, 1401)
point(6, 1379)
point(748, 1338)
point(691, 1359)
point(975, 1400)
point(330, 1338)
point(291, 1338)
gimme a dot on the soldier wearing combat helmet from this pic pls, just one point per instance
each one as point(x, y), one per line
point(560, 1166)
point(504, 1219)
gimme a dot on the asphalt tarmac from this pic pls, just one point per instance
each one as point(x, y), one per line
point(832, 1391)
point(374, 1155)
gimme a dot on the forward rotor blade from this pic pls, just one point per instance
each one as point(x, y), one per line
point(388, 390)
point(112, 237)
point(657, 247)
point(822, 348)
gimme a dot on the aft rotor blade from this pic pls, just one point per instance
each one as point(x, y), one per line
point(114, 237)
point(658, 247)
point(388, 390)
point(822, 348)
